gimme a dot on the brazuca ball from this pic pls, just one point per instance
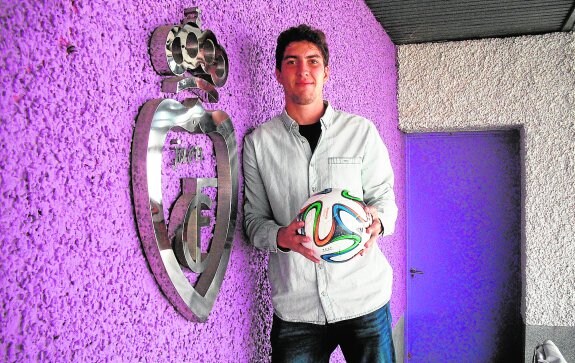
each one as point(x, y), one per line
point(336, 223)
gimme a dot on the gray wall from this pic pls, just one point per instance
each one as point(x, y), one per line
point(526, 83)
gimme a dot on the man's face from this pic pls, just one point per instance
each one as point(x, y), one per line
point(303, 73)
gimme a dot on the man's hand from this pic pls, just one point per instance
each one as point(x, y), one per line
point(288, 238)
point(374, 229)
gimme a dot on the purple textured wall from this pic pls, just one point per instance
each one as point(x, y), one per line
point(75, 284)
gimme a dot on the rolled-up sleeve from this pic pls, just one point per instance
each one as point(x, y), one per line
point(259, 223)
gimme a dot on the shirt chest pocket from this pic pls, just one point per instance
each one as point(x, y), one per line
point(345, 173)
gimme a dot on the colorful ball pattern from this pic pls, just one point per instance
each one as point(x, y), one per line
point(336, 222)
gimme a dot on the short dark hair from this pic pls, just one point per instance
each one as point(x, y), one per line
point(301, 33)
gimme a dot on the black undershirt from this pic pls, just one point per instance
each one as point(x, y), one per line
point(311, 133)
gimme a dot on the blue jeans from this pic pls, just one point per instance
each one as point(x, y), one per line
point(364, 339)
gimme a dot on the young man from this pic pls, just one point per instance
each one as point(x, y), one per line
point(307, 148)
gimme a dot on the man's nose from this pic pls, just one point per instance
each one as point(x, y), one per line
point(302, 68)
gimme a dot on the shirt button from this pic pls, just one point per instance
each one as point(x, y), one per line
point(324, 293)
point(320, 266)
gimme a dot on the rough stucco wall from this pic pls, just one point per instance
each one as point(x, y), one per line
point(524, 82)
point(75, 284)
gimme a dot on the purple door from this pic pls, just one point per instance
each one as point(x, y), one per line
point(464, 248)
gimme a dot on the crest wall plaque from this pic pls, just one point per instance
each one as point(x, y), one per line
point(196, 63)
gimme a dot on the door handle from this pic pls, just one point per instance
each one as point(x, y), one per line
point(414, 271)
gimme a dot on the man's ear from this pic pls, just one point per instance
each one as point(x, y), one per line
point(326, 73)
point(278, 74)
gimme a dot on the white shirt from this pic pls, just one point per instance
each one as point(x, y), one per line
point(280, 173)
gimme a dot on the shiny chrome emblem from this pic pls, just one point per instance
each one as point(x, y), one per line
point(174, 244)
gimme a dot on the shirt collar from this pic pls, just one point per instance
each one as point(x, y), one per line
point(326, 119)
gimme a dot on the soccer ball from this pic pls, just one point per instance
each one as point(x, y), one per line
point(336, 223)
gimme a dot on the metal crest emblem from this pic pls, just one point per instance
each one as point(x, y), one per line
point(173, 244)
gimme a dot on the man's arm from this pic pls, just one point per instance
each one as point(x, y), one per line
point(377, 180)
point(259, 224)
point(262, 230)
